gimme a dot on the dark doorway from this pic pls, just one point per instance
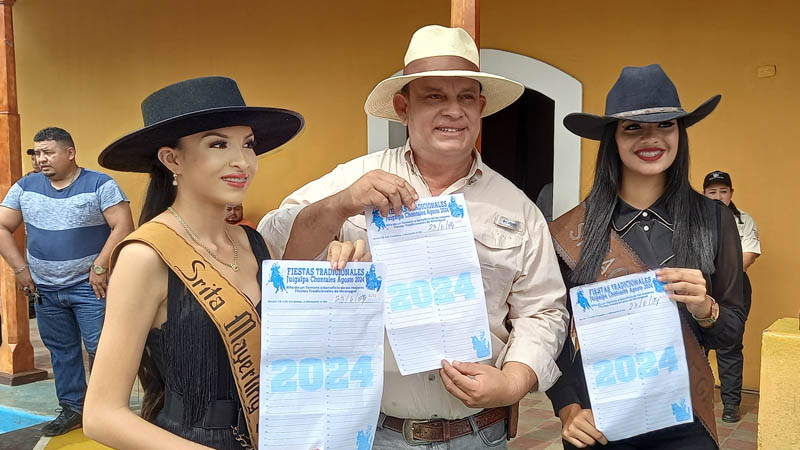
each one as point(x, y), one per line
point(517, 142)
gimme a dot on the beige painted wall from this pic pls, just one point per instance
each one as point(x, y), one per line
point(87, 65)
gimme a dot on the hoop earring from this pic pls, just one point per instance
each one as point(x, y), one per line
point(174, 179)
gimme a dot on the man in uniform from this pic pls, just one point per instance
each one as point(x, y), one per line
point(730, 361)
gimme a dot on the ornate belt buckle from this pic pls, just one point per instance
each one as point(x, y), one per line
point(243, 440)
point(408, 432)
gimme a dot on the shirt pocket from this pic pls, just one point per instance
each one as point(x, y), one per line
point(499, 253)
point(85, 212)
point(87, 204)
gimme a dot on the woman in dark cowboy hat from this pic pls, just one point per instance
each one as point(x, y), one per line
point(641, 214)
point(182, 301)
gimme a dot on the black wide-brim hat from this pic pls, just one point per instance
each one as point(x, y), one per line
point(641, 94)
point(193, 106)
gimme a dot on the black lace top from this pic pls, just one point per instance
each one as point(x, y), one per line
point(193, 363)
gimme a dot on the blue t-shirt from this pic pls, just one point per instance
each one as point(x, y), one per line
point(66, 229)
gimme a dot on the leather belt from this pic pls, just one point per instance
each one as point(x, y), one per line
point(443, 430)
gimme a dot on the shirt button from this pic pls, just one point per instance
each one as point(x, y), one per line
point(646, 228)
point(431, 377)
point(644, 214)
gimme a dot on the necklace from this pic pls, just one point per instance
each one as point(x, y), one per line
point(75, 176)
point(234, 265)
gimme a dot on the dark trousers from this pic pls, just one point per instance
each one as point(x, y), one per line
point(690, 436)
point(730, 360)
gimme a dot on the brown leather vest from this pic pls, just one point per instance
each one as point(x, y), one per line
point(621, 260)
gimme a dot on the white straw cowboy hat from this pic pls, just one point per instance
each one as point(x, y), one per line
point(436, 51)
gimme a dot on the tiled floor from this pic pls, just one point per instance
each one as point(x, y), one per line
point(40, 397)
point(539, 429)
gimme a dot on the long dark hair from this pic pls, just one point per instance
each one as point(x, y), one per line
point(735, 211)
point(692, 235)
point(160, 195)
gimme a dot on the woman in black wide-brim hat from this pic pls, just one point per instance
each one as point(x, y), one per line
point(164, 316)
point(642, 204)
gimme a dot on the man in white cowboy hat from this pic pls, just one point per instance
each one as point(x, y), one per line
point(441, 98)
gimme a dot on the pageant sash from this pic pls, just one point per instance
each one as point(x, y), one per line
point(621, 260)
point(234, 315)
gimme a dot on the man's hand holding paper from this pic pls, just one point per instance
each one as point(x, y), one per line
point(378, 189)
point(485, 386)
point(436, 307)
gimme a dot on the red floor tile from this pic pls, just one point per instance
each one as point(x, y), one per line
point(749, 426)
point(525, 443)
point(551, 425)
point(721, 424)
point(530, 401)
point(540, 412)
point(736, 444)
point(724, 432)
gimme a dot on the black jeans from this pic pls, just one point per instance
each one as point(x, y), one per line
point(730, 360)
point(690, 436)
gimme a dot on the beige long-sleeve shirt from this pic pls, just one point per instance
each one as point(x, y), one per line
point(525, 294)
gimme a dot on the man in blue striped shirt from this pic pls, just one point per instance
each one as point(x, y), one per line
point(73, 219)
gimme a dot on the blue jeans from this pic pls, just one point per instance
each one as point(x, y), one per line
point(493, 436)
point(65, 316)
